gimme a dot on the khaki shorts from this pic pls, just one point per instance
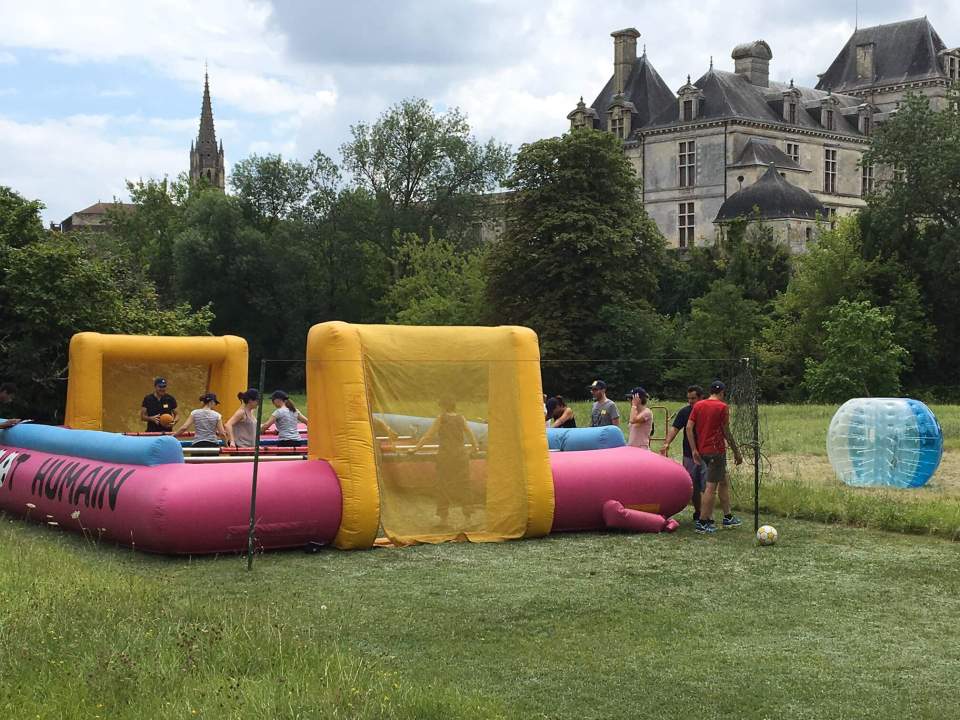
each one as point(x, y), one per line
point(716, 467)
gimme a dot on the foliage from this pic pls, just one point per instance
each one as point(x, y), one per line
point(860, 359)
point(20, 222)
point(424, 168)
point(271, 188)
point(577, 243)
point(57, 287)
point(438, 285)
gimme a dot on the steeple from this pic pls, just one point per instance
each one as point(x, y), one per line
point(206, 158)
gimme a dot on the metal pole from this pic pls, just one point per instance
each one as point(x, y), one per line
point(256, 467)
point(751, 366)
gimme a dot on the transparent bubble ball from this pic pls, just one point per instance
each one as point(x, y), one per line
point(884, 442)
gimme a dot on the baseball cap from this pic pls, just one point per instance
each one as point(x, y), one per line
point(717, 386)
point(279, 395)
point(597, 385)
point(209, 397)
point(159, 382)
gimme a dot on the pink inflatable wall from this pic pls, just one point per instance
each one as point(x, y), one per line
point(638, 479)
point(174, 508)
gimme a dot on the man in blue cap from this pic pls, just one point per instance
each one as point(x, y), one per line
point(604, 410)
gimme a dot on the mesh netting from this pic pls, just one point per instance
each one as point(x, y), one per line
point(125, 384)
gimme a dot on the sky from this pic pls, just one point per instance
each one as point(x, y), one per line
point(95, 93)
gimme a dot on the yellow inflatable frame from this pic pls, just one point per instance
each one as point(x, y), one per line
point(341, 430)
point(226, 356)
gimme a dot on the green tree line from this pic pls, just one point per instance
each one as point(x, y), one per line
point(391, 234)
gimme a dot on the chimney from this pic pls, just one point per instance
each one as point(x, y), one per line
point(624, 56)
point(752, 61)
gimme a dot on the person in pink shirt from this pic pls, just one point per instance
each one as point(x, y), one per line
point(641, 419)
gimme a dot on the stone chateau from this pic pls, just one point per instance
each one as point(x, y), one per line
point(729, 142)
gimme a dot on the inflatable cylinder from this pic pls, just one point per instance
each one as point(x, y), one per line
point(591, 438)
point(175, 508)
point(638, 479)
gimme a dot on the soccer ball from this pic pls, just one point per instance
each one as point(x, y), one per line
point(767, 535)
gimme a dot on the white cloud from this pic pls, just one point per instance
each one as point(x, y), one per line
point(7, 58)
point(82, 162)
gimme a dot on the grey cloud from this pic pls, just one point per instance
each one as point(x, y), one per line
point(387, 32)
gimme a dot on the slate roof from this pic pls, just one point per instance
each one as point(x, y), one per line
point(644, 88)
point(903, 52)
point(757, 152)
point(729, 95)
point(775, 199)
point(101, 208)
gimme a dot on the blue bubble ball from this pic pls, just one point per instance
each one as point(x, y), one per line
point(884, 442)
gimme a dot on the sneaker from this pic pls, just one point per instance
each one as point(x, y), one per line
point(732, 521)
point(705, 527)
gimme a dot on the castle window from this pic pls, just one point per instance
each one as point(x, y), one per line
point(953, 67)
point(793, 152)
point(830, 123)
point(866, 180)
point(866, 124)
point(792, 113)
point(686, 165)
point(687, 110)
point(829, 170)
point(616, 125)
point(685, 224)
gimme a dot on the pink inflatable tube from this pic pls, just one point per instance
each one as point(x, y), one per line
point(646, 489)
point(174, 508)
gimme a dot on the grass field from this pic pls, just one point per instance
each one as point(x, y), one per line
point(831, 622)
point(834, 621)
point(799, 482)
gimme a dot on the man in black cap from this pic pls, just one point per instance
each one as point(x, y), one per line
point(158, 403)
point(604, 410)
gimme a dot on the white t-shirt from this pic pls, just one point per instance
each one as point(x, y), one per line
point(287, 423)
point(205, 423)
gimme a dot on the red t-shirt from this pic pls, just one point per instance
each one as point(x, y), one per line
point(709, 418)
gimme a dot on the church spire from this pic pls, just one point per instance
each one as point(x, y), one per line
point(206, 158)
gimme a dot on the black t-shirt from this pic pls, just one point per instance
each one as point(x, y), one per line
point(158, 406)
point(680, 423)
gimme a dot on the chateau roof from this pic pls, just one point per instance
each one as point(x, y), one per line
point(903, 52)
point(101, 208)
point(729, 95)
point(757, 152)
point(773, 198)
point(643, 87)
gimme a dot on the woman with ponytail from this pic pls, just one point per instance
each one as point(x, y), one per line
point(243, 423)
point(286, 417)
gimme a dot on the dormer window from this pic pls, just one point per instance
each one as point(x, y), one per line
point(619, 115)
point(865, 119)
point(830, 122)
point(582, 116)
point(828, 112)
point(791, 103)
point(689, 97)
point(953, 66)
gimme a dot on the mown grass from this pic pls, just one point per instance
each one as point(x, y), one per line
point(797, 480)
point(831, 622)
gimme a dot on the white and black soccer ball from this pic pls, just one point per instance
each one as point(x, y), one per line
point(767, 535)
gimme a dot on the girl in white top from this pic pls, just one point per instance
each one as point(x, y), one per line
point(641, 420)
point(287, 418)
point(242, 425)
point(207, 424)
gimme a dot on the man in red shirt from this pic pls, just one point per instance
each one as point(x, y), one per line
point(711, 418)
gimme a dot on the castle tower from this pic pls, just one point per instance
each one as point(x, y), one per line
point(206, 157)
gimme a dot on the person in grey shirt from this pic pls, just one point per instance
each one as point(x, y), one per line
point(604, 410)
point(207, 424)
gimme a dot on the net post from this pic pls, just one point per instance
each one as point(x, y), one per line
point(256, 467)
point(755, 418)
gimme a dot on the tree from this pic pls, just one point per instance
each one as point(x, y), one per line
point(914, 221)
point(439, 285)
point(860, 358)
point(424, 168)
point(271, 188)
point(577, 243)
point(834, 269)
point(20, 222)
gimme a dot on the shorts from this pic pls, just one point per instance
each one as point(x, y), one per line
point(696, 474)
point(715, 467)
point(291, 443)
